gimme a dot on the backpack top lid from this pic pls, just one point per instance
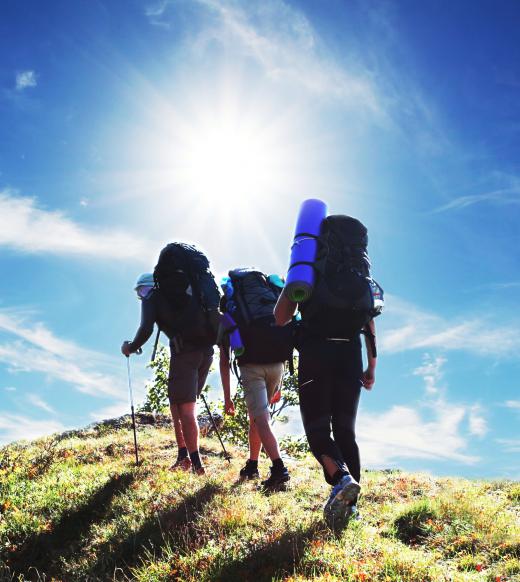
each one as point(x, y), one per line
point(351, 230)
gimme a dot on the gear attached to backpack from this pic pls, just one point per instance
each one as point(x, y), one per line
point(249, 299)
point(183, 276)
point(345, 296)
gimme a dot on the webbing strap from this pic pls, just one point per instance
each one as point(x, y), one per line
point(308, 263)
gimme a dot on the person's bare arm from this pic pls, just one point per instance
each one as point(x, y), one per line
point(284, 310)
point(225, 378)
point(369, 375)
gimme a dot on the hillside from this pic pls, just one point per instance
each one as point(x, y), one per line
point(75, 508)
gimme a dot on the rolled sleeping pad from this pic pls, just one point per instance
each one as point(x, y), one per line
point(300, 276)
point(235, 340)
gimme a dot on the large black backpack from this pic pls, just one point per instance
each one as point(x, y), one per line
point(252, 305)
point(183, 276)
point(345, 297)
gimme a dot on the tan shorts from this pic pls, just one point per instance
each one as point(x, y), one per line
point(260, 382)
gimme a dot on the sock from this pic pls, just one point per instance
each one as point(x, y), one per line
point(278, 464)
point(336, 478)
point(182, 453)
point(252, 464)
point(195, 460)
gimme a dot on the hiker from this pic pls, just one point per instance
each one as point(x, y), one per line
point(181, 297)
point(331, 374)
point(247, 306)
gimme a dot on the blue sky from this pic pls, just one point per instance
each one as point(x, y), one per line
point(125, 125)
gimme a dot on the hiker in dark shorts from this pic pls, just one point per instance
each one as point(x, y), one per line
point(330, 374)
point(189, 369)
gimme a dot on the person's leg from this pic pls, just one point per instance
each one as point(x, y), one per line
point(182, 391)
point(190, 426)
point(346, 394)
point(258, 380)
point(177, 428)
point(316, 383)
point(255, 442)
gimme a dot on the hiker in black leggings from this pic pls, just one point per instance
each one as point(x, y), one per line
point(330, 377)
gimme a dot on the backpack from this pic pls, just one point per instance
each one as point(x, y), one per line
point(183, 276)
point(345, 298)
point(250, 298)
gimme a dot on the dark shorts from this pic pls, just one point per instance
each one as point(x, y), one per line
point(188, 375)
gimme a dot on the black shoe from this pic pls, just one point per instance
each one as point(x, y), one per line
point(277, 480)
point(249, 471)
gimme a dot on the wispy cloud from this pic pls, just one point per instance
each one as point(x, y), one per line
point(431, 428)
point(504, 196)
point(155, 12)
point(37, 349)
point(287, 46)
point(478, 425)
point(112, 411)
point(27, 228)
point(37, 401)
point(431, 372)
point(404, 433)
point(409, 328)
point(510, 445)
point(282, 40)
point(25, 79)
point(14, 427)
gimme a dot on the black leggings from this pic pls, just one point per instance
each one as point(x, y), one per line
point(329, 379)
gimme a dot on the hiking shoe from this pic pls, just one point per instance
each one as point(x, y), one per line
point(249, 471)
point(181, 465)
point(200, 471)
point(340, 504)
point(277, 479)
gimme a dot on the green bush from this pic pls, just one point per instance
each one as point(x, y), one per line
point(235, 428)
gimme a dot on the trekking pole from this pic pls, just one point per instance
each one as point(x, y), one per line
point(132, 408)
point(152, 359)
point(226, 454)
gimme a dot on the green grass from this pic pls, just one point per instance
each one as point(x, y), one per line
point(76, 508)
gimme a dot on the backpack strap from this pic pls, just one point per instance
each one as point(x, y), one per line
point(366, 331)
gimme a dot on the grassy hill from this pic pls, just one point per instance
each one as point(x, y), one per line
point(75, 508)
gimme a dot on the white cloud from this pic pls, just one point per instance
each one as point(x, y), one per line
point(402, 433)
point(10, 389)
point(431, 372)
point(37, 401)
point(409, 328)
point(510, 445)
point(477, 423)
point(500, 196)
point(284, 43)
point(25, 79)
point(14, 427)
point(513, 404)
point(39, 350)
point(25, 227)
point(431, 428)
point(112, 411)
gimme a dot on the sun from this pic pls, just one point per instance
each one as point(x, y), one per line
point(231, 158)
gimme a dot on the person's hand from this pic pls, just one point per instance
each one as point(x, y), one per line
point(229, 407)
point(276, 396)
point(125, 349)
point(368, 378)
